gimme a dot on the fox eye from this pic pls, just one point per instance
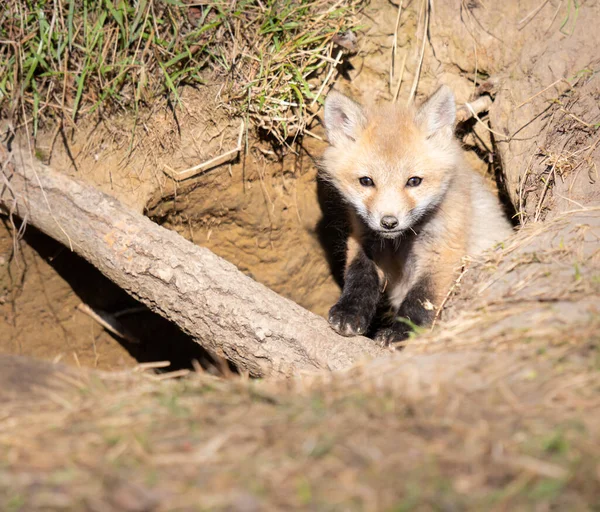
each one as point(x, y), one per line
point(365, 181)
point(414, 181)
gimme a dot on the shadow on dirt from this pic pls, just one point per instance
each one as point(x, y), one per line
point(157, 339)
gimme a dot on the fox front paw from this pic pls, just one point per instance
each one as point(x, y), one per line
point(390, 335)
point(348, 319)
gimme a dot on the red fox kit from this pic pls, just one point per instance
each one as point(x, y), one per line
point(416, 208)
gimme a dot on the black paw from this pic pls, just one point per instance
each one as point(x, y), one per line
point(390, 335)
point(349, 319)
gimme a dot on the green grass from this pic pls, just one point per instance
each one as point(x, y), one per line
point(61, 60)
point(570, 18)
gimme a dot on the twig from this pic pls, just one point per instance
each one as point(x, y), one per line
point(130, 311)
point(397, 92)
point(540, 92)
point(338, 59)
point(151, 366)
point(468, 105)
point(521, 212)
point(554, 17)
point(108, 321)
point(569, 199)
point(313, 135)
point(538, 209)
point(536, 466)
point(578, 119)
point(592, 148)
point(228, 156)
point(469, 110)
point(395, 44)
point(525, 21)
point(457, 281)
point(413, 89)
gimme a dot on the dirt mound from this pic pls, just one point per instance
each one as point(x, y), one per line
point(468, 430)
point(547, 118)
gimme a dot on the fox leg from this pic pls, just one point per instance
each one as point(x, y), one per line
point(354, 311)
point(418, 308)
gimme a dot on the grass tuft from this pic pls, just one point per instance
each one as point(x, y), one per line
point(62, 60)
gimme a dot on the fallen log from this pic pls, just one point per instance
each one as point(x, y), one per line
point(207, 297)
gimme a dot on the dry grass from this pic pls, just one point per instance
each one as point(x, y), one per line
point(501, 431)
point(61, 61)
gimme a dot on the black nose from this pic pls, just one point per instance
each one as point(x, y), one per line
point(389, 222)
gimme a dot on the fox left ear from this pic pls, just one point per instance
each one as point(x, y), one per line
point(438, 113)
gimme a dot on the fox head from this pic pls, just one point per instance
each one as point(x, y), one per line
point(393, 165)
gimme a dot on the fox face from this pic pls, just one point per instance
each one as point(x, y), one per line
point(393, 165)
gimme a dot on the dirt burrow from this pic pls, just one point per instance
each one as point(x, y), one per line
point(42, 288)
point(262, 214)
point(264, 218)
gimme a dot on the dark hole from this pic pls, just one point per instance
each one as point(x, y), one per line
point(509, 209)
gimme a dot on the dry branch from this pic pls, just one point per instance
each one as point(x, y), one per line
point(221, 308)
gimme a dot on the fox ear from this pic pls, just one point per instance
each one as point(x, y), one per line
point(438, 113)
point(344, 118)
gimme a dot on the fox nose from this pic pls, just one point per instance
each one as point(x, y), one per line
point(389, 222)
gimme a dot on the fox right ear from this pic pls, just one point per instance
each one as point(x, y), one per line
point(344, 118)
point(438, 114)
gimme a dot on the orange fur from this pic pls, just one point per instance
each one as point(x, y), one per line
point(452, 210)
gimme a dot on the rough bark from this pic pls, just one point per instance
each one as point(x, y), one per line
point(221, 308)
